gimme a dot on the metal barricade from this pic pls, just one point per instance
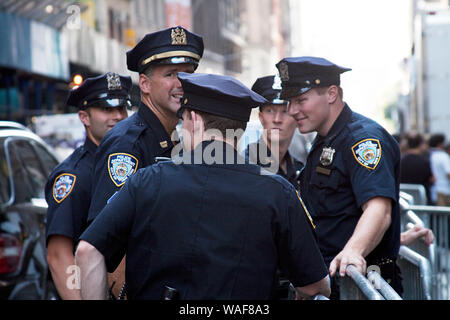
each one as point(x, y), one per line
point(417, 191)
point(418, 197)
point(357, 287)
point(408, 219)
point(416, 273)
point(382, 286)
point(439, 222)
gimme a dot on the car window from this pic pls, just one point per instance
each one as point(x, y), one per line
point(48, 161)
point(5, 189)
point(28, 174)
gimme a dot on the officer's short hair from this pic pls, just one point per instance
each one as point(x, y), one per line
point(322, 90)
point(149, 71)
point(212, 121)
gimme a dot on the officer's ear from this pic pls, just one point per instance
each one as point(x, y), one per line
point(333, 94)
point(144, 83)
point(197, 121)
point(84, 117)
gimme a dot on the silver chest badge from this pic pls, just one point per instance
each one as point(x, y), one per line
point(326, 158)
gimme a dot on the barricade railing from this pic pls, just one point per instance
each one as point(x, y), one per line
point(417, 191)
point(357, 287)
point(416, 273)
point(439, 218)
point(409, 218)
point(418, 197)
point(382, 286)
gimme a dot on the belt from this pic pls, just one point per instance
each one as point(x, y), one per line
point(381, 261)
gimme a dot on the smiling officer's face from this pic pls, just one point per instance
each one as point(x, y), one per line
point(164, 88)
point(311, 111)
point(99, 120)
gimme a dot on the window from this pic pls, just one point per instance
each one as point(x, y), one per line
point(29, 176)
point(48, 161)
point(5, 188)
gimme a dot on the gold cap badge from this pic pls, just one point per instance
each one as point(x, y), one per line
point(178, 36)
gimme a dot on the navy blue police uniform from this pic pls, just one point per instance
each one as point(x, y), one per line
point(259, 152)
point(203, 228)
point(356, 161)
point(264, 159)
point(136, 141)
point(68, 189)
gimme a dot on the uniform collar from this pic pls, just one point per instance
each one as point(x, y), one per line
point(229, 153)
point(89, 145)
point(152, 121)
point(266, 160)
point(290, 168)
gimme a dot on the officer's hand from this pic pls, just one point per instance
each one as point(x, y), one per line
point(343, 259)
point(408, 237)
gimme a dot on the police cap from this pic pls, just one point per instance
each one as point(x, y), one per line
point(107, 90)
point(219, 95)
point(170, 46)
point(269, 87)
point(300, 74)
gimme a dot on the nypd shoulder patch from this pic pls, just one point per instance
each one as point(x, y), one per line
point(367, 153)
point(63, 186)
point(121, 166)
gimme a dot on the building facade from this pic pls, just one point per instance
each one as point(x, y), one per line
point(48, 42)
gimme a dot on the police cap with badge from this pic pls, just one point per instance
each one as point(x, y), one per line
point(270, 88)
point(108, 90)
point(170, 46)
point(300, 74)
point(219, 95)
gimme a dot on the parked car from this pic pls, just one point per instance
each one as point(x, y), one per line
point(25, 163)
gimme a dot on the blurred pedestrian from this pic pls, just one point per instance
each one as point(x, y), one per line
point(440, 165)
point(415, 166)
point(402, 141)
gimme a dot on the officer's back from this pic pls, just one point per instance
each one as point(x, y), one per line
point(217, 247)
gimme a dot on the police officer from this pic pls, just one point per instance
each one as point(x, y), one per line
point(102, 102)
point(197, 225)
point(279, 128)
point(351, 178)
point(135, 143)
